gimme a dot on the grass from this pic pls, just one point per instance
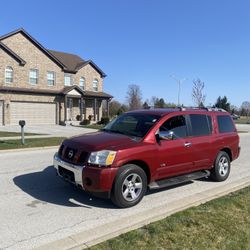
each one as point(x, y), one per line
point(10, 134)
point(243, 120)
point(30, 143)
point(93, 126)
point(219, 224)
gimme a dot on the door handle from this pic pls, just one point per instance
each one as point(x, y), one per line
point(187, 144)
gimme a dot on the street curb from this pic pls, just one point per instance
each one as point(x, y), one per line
point(86, 239)
point(27, 149)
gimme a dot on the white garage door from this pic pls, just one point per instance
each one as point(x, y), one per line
point(32, 113)
point(1, 113)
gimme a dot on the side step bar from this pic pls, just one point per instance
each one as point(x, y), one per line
point(178, 179)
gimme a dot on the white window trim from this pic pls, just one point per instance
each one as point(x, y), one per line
point(10, 70)
point(71, 79)
point(54, 78)
point(95, 81)
point(84, 83)
point(37, 76)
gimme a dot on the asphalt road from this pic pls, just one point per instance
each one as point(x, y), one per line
point(38, 208)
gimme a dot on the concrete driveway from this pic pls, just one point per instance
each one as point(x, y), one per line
point(37, 208)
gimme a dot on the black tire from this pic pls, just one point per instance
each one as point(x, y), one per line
point(129, 187)
point(222, 166)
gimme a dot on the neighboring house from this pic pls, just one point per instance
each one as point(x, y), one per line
point(44, 86)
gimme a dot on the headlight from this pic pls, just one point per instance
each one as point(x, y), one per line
point(103, 157)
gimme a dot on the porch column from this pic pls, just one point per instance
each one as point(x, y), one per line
point(95, 109)
point(84, 108)
point(65, 108)
point(81, 108)
point(98, 111)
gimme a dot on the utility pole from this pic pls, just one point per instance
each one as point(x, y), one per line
point(179, 82)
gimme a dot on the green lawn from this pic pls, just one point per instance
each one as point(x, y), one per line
point(93, 126)
point(10, 134)
point(29, 143)
point(243, 120)
point(223, 223)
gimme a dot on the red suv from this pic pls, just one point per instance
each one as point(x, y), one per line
point(150, 149)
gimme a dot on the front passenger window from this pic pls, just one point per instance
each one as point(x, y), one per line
point(177, 125)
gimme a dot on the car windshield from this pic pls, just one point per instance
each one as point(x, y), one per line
point(136, 125)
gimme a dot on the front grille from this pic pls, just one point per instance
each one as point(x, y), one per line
point(83, 157)
point(70, 153)
point(66, 174)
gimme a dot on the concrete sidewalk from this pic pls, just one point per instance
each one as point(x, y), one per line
point(53, 130)
point(26, 137)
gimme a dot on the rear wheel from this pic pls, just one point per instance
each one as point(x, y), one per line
point(129, 187)
point(221, 169)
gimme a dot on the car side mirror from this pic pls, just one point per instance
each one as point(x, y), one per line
point(166, 135)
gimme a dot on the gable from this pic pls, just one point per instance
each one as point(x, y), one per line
point(74, 92)
point(94, 66)
point(11, 53)
point(23, 44)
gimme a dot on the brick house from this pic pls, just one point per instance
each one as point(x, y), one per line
point(44, 86)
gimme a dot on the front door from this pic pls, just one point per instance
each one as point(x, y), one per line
point(69, 109)
point(174, 155)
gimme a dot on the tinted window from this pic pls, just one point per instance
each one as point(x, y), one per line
point(225, 124)
point(177, 125)
point(199, 125)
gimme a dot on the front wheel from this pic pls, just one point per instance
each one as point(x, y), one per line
point(129, 187)
point(221, 169)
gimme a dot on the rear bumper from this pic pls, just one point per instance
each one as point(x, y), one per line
point(95, 180)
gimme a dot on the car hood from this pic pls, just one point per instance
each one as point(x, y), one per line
point(99, 141)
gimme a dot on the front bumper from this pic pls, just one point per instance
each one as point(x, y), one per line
point(75, 178)
point(95, 180)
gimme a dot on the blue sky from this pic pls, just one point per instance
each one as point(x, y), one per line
point(144, 42)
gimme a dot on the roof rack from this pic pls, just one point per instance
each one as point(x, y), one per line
point(202, 108)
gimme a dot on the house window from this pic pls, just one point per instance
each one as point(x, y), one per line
point(9, 74)
point(67, 79)
point(51, 77)
point(34, 76)
point(95, 85)
point(82, 83)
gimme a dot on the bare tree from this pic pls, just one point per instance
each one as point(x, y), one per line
point(153, 101)
point(134, 97)
point(197, 92)
point(245, 108)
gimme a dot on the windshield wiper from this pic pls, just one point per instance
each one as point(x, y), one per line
point(132, 134)
point(112, 131)
point(116, 131)
point(127, 133)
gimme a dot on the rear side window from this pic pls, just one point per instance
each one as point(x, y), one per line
point(201, 125)
point(225, 124)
